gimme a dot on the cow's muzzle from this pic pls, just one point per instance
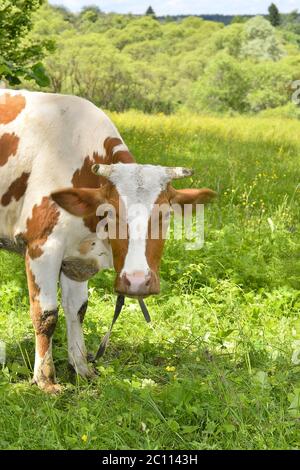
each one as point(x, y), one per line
point(137, 284)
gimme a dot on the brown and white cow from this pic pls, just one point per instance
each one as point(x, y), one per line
point(49, 142)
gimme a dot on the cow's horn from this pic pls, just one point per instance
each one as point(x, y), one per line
point(178, 172)
point(102, 170)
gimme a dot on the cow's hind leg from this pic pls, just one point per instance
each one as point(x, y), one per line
point(74, 301)
point(42, 277)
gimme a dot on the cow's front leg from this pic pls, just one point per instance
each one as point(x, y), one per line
point(74, 302)
point(42, 277)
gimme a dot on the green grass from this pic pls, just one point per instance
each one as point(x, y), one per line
point(219, 366)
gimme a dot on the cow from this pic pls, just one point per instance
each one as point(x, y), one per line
point(60, 158)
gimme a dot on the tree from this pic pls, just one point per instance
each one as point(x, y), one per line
point(260, 41)
point(141, 29)
point(274, 15)
point(223, 86)
point(268, 86)
point(125, 61)
point(291, 22)
point(19, 56)
point(230, 39)
point(91, 12)
point(150, 11)
point(65, 12)
point(239, 19)
point(49, 22)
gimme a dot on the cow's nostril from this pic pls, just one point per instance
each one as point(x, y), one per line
point(137, 284)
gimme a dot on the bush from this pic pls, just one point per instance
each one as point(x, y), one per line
point(269, 86)
point(223, 86)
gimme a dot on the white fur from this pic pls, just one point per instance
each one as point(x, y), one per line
point(139, 187)
point(120, 148)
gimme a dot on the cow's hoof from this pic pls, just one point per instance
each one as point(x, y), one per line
point(84, 370)
point(90, 357)
point(47, 387)
point(52, 389)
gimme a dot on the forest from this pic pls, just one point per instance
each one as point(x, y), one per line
point(139, 62)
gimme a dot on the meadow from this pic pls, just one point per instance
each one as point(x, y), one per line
point(219, 367)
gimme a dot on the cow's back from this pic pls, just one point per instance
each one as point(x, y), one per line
point(44, 141)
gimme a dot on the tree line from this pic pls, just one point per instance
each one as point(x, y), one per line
point(128, 61)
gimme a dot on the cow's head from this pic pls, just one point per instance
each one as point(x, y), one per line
point(135, 197)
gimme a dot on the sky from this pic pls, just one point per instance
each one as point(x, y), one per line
point(174, 7)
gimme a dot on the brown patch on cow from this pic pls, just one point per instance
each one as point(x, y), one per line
point(85, 178)
point(109, 144)
point(10, 107)
point(41, 224)
point(154, 250)
point(91, 223)
point(48, 322)
point(16, 189)
point(34, 289)
point(44, 322)
point(119, 244)
point(8, 147)
point(119, 251)
point(121, 156)
point(191, 196)
point(154, 247)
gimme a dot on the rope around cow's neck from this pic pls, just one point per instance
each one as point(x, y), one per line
point(118, 308)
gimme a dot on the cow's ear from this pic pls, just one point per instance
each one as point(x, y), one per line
point(191, 196)
point(81, 202)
